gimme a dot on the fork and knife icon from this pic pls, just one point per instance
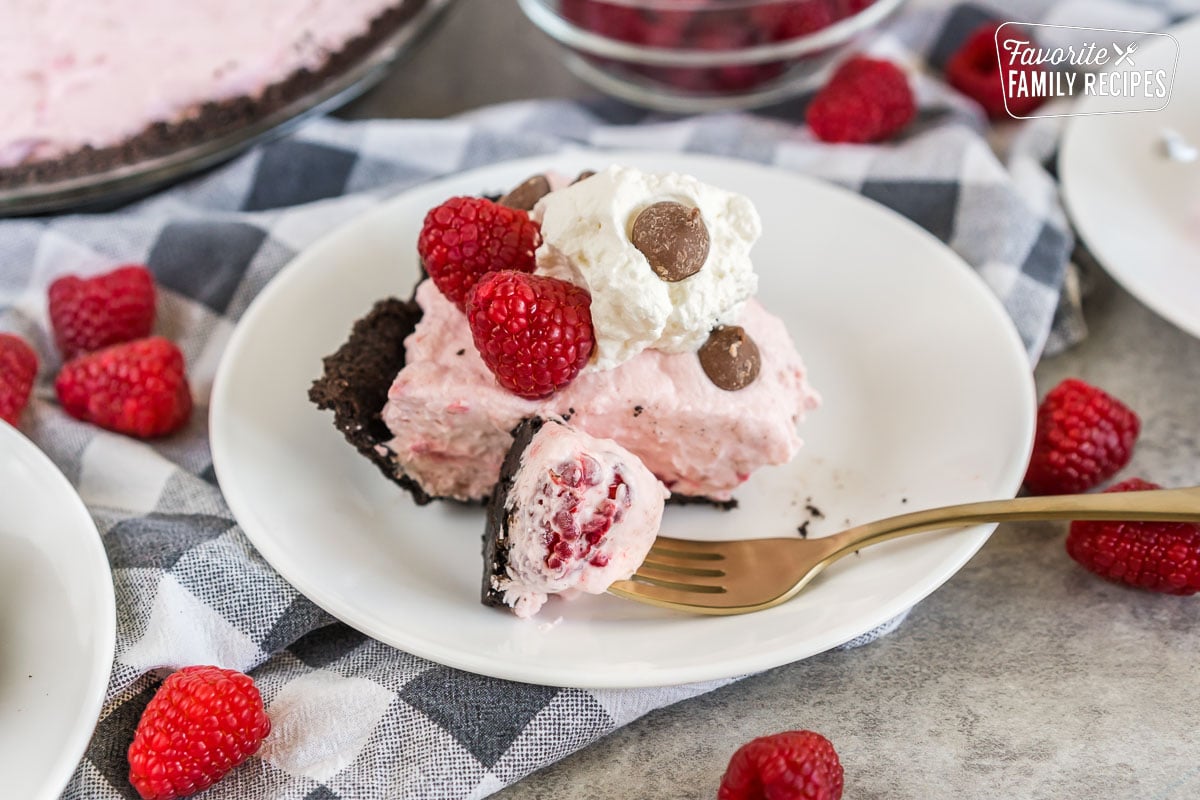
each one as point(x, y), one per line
point(1124, 55)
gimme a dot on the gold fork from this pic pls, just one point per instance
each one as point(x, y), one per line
point(737, 577)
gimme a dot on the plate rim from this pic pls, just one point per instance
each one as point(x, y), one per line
point(1086, 229)
point(73, 747)
point(243, 508)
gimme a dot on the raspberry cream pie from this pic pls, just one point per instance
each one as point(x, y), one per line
point(89, 87)
point(628, 312)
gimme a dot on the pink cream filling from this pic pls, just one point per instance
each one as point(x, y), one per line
point(451, 422)
point(583, 513)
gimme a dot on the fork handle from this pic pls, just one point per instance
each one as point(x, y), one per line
point(1172, 505)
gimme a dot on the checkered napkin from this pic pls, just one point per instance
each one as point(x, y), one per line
point(354, 718)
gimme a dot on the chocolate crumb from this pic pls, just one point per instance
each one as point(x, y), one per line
point(526, 195)
point(583, 176)
point(903, 499)
point(816, 512)
point(673, 238)
point(461, 351)
point(730, 358)
point(802, 529)
point(571, 411)
point(637, 411)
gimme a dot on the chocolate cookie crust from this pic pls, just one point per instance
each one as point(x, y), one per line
point(496, 541)
point(356, 381)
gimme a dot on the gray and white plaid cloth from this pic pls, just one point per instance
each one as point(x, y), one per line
point(354, 718)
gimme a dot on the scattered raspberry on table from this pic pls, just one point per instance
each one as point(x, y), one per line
point(88, 314)
point(465, 238)
point(866, 100)
point(1157, 556)
point(533, 332)
point(138, 388)
point(975, 70)
point(794, 765)
point(18, 370)
point(202, 722)
point(1084, 436)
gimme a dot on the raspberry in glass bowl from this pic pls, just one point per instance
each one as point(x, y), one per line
point(703, 55)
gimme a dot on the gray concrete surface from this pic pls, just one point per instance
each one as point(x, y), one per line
point(1022, 677)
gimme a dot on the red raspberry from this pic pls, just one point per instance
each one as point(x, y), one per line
point(801, 19)
point(1158, 556)
point(18, 369)
point(200, 724)
point(90, 313)
point(138, 388)
point(975, 70)
point(465, 238)
point(799, 765)
point(533, 332)
point(1084, 435)
point(866, 100)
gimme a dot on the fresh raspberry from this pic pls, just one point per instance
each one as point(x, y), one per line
point(1158, 556)
point(465, 238)
point(866, 100)
point(138, 388)
point(975, 70)
point(200, 724)
point(794, 765)
point(18, 369)
point(533, 332)
point(90, 313)
point(801, 19)
point(1084, 435)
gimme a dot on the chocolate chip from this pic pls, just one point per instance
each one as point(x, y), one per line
point(583, 176)
point(730, 358)
point(527, 194)
point(674, 239)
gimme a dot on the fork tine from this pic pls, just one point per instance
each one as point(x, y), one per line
point(663, 593)
point(691, 545)
point(684, 575)
point(686, 548)
point(684, 562)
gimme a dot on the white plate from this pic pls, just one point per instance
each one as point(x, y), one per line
point(57, 623)
point(1138, 211)
point(929, 400)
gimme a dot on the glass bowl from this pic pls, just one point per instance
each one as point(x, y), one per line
point(703, 55)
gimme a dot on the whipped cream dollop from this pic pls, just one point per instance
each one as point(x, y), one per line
point(586, 233)
point(583, 513)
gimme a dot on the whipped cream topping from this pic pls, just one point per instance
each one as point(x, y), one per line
point(586, 240)
point(583, 513)
point(98, 72)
